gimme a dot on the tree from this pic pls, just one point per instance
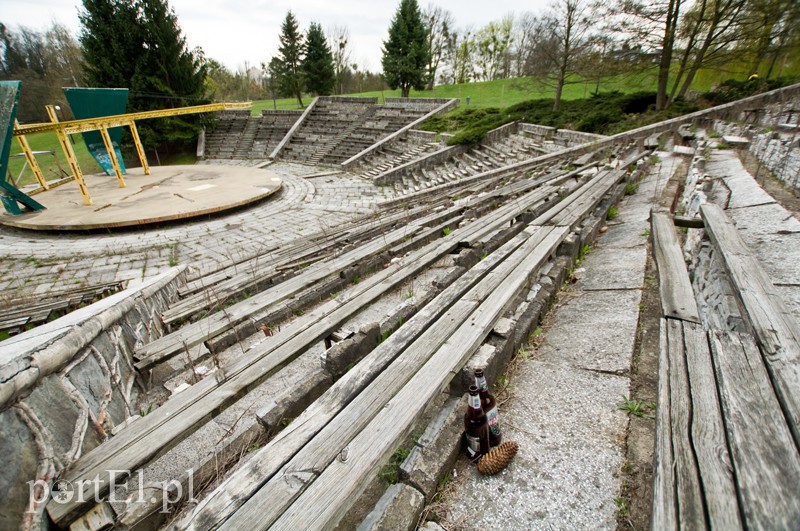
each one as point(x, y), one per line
point(339, 38)
point(438, 24)
point(652, 24)
point(524, 38)
point(173, 75)
point(492, 45)
point(708, 29)
point(317, 65)
point(111, 41)
point(44, 62)
point(290, 55)
point(139, 45)
point(569, 23)
point(771, 32)
point(405, 53)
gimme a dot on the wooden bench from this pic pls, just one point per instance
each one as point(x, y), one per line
point(724, 457)
point(184, 413)
point(362, 427)
point(217, 323)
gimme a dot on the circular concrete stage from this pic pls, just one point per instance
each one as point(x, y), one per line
point(168, 193)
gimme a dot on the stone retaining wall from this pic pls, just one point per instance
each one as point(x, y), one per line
point(67, 385)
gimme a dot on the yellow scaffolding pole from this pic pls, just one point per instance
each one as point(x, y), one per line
point(32, 162)
point(93, 124)
point(69, 154)
point(62, 129)
point(112, 155)
point(139, 148)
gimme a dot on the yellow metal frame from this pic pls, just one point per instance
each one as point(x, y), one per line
point(62, 129)
point(32, 162)
point(69, 154)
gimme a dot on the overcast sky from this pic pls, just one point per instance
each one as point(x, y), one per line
point(238, 31)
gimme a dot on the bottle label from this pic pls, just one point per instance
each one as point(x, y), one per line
point(473, 445)
point(475, 401)
point(482, 385)
point(493, 419)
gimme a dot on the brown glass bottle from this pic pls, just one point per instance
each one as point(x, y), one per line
point(476, 428)
point(489, 407)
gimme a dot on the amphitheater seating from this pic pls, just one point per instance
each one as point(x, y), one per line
point(238, 135)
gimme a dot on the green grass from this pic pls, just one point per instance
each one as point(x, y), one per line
point(487, 94)
point(49, 142)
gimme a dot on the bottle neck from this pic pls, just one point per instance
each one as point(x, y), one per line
point(475, 401)
point(481, 382)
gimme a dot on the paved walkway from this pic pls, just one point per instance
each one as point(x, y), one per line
point(33, 263)
point(564, 408)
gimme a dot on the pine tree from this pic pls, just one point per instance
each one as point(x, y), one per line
point(406, 54)
point(111, 42)
point(318, 63)
point(290, 54)
point(139, 45)
point(173, 75)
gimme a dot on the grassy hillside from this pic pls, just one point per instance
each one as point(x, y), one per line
point(49, 142)
point(499, 93)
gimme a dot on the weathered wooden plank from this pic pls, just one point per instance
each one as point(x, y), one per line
point(687, 480)
point(677, 296)
point(159, 431)
point(553, 215)
point(500, 219)
point(318, 453)
point(427, 328)
point(664, 514)
point(216, 296)
point(587, 199)
point(195, 333)
point(708, 433)
point(776, 330)
point(765, 459)
point(328, 498)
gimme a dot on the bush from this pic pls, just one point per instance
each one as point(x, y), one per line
point(732, 89)
point(596, 122)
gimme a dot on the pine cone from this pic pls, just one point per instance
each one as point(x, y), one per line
point(498, 458)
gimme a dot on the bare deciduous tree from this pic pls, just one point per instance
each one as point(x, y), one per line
point(439, 24)
point(492, 45)
point(339, 41)
point(569, 25)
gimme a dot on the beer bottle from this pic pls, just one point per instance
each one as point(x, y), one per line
point(490, 407)
point(476, 428)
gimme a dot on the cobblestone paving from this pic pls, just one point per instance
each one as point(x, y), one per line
point(34, 263)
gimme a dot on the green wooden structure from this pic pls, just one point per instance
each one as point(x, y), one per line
point(97, 103)
point(11, 196)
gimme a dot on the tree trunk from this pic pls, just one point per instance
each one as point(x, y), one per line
point(666, 53)
point(405, 90)
point(559, 89)
point(688, 51)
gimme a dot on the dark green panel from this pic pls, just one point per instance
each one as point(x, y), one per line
point(9, 98)
point(95, 103)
